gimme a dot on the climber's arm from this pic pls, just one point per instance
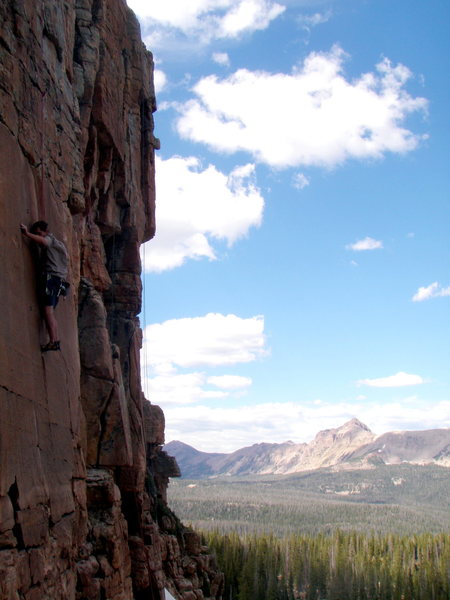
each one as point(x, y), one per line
point(39, 239)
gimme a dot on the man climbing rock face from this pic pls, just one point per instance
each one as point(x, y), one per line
point(53, 272)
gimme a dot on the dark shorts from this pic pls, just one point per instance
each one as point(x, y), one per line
point(49, 289)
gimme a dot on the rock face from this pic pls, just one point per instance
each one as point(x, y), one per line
point(83, 479)
point(352, 445)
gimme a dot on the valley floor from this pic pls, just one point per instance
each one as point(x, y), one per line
point(401, 499)
point(380, 534)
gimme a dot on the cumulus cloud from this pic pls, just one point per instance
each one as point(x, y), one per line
point(398, 380)
point(225, 429)
point(198, 206)
point(317, 116)
point(248, 15)
point(307, 22)
point(221, 58)
point(202, 20)
point(180, 388)
point(211, 340)
point(300, 181)
point(230, 382)
point(367, 243)
point(160, 80)
point(434, 290)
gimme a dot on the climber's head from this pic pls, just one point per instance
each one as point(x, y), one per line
point(39, 228)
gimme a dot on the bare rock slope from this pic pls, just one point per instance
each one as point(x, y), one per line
point(83, 479)
point(352, 445)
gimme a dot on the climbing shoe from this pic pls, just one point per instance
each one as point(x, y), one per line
point(50, 346)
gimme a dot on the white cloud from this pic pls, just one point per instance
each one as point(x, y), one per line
point(212, 340)
point(300, 181)
point(197, 206)
point(169, 389)
point(434, 290)
point(179, 389)
point(248, 15)
point(309, 21)
point(317, 116)
point(230, 382)
point(367, 243)
point(221, 58)
point(160, 80)
point(201, 20)
point(398, 380)
point(226, 429)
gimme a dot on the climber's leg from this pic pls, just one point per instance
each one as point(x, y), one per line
point(51, 323)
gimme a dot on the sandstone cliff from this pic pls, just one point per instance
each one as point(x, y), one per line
point(83, 478)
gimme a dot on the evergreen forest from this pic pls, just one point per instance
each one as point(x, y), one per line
point(380, 534)
point(341, 566)
point(400, 499)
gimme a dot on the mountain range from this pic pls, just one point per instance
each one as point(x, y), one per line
point(351, 446)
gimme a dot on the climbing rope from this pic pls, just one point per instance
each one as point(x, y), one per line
point(144, 316)
point(113, 286)
point(43, 118)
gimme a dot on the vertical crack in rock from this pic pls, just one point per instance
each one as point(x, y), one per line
point(103, 423)
point(13, 494)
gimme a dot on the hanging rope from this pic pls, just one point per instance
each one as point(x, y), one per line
point(43, 119)
point(144, 315)
point(113, 285)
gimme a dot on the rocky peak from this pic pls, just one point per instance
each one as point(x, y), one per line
point(351, 445)
point(350, 430)
point(355, 424)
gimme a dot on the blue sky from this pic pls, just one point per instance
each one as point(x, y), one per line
point(299, 276)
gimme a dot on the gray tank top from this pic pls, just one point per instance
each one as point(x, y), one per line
point(55, 257)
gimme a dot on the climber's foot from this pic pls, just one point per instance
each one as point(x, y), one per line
point(50, 346)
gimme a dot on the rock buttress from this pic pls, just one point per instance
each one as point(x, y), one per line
point(83, 480)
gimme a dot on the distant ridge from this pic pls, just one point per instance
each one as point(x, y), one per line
point(353, 445)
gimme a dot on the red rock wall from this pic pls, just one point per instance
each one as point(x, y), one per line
point(82, 476)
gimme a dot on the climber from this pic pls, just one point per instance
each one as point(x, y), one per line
point(53, 272)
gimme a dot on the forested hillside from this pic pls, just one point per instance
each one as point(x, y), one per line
point(378, 534)
point(401, 499)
